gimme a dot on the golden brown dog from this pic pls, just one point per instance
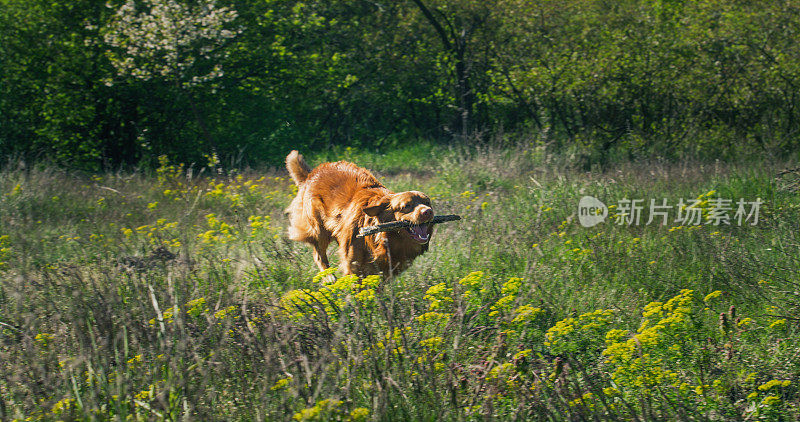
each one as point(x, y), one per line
point(335, 199)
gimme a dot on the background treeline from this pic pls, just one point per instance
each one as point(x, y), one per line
point(600, 78)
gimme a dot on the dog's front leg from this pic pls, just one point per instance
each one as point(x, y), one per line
point(320, 252)
point(351, 256)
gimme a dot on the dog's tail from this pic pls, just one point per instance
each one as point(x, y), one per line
point(297, 167)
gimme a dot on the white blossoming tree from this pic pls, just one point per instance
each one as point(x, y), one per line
point(171, 41)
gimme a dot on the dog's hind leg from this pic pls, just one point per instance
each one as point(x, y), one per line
point(320, 250)
point(321, 257)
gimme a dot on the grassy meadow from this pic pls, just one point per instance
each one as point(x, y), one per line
point(175, 295)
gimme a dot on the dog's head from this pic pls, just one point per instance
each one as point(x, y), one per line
point(411, 206)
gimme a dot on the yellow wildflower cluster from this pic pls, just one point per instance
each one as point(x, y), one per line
point(281, 384)
point(219, 231)
point(331, 298)
point(704, 205)
point(509, 291)
point(778, 324)
point(325, 410)
point(223, 191)
point(435, 318)
point(234, 192)
point(769, 385)
point(43, 339)
point(392, 341)
point(16, 190)
point(161, 233)
point(579, 334)
point(771, 401)
point(475, 293)
point(224, 312)
point(134, 361)
point(5, 250)
point(587, 401)
point(472, 197)
point(500, 370)
point(196, 307)
point(431, 343)
point(666, 335)
point(258, 225)
point(166, 316)
point(62, 406)
point(148, 394)
point(170, 179)
point(472, 284)
point(525, 314)
point(439, 296)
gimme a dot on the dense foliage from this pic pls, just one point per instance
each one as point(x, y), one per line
point(90, 84)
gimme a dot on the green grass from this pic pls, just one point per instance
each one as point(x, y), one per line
point(176, 294)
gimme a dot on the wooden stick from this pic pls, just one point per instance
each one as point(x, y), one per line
point(385, 227)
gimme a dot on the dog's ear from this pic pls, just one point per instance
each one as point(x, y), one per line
point(376, 205)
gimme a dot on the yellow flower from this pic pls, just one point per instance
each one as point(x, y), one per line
point(616, 335)
point(281, 384)
point(778, 324)
point(62, 405)
point(365, 296)
point(43, 338)
point(134, 360)
point(522, 354)
point(438, 295)
point(512, 286)
point(358, 414)
point(320, 411)
point(525, 313)
point(500, 370)
point(472, 280)
point(431, 343)
point(774, 383)
point(712, 295)
point(434, 317)
point(222, 313)
point(196, 307)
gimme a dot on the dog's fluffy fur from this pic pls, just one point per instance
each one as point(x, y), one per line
point(335, 199)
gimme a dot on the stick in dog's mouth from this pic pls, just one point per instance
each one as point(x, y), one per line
point(396, 225)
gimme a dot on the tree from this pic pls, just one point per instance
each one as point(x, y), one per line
point(172, 41)
point(456, 23)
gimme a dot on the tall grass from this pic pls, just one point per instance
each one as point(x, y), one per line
point(175, 295)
